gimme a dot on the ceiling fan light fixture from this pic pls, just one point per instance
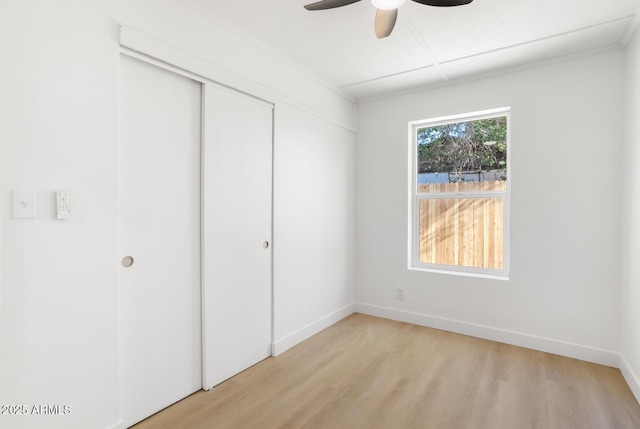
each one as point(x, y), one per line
point(388, 4)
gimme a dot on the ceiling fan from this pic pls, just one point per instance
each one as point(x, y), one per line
point(387, 10)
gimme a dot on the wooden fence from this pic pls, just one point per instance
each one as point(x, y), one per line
point(465, 232)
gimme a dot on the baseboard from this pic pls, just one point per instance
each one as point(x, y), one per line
point(119, 425)
point(285, 343)
point(630, 377)
point(576, 351)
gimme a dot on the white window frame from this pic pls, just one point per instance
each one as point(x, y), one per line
point(415, 198)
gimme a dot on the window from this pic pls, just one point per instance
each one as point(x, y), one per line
point(459, 199)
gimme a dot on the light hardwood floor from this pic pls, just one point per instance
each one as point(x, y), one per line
point(366, 372)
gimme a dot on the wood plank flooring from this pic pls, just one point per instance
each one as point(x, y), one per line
point(366, 372)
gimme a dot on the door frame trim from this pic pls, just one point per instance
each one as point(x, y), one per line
point(147, 44)
point(191, 75)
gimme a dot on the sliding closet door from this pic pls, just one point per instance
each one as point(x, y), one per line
point(237, 192)
point(159, 238)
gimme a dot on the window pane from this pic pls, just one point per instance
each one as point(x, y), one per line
point(462, 152)
point(462, 232)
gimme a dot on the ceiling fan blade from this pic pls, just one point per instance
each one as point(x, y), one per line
point(385, 21)
point(443, 3)
point(328, 4)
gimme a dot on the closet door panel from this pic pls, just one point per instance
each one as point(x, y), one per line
point(158, 238)
point(237, 248)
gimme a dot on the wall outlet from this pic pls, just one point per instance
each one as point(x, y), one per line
point(400, 294)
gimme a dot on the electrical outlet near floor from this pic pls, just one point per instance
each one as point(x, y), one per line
point(400, 294)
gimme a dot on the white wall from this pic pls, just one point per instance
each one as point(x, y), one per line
point(58, 130)
point(563, 294)
point(314, 211)
point(630, 350)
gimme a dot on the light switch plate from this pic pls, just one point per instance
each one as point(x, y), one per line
point(24, 204)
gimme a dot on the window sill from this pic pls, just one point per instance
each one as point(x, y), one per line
point(459, 272)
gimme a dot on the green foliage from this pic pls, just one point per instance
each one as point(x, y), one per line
point(462, 147)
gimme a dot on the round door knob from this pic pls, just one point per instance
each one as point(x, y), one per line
point(265, 244)
point(127, 261)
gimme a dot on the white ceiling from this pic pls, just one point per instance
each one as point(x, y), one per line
point(429, 45)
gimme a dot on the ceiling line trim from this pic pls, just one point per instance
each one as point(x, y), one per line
point(439, 64)
point(496, 73)
point(541, 39)
point(425, 47)
point(349, 85)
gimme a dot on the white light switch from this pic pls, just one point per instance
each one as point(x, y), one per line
point(63, 206)
point(24, 204)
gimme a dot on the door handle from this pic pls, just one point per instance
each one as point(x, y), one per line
point(265, 244)
point(127, 261)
